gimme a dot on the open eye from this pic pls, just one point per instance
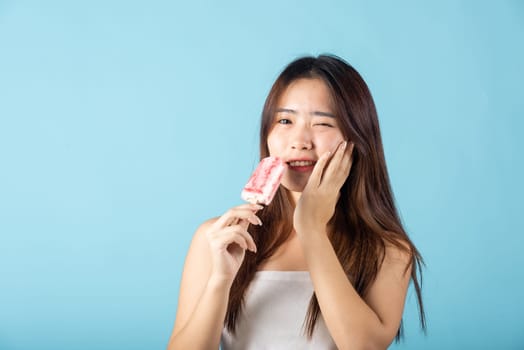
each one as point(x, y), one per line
point(283, 121)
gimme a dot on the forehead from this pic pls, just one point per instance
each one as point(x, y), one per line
point(307, 94)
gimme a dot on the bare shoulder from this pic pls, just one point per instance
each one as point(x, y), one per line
point(399, 253)
point(386, 295)
point(197, 268)
point(206, 224)
point(202, 229)
point(198, 254)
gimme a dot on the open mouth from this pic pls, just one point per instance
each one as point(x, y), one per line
point(301, 165)
point(297, 163)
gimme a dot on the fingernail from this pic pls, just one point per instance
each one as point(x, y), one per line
point(259, 221)
point(344, 145)
point(259, 207)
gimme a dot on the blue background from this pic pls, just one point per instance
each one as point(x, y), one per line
point(125, 124)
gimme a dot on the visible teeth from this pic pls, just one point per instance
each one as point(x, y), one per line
point(301, 163)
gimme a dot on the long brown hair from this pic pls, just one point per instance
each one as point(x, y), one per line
point(365, 218)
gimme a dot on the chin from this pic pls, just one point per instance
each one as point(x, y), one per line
point(293, 187)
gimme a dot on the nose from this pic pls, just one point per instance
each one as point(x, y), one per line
point(301, 140)
point(301, 145)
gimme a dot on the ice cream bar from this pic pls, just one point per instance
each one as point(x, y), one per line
point(263, 184)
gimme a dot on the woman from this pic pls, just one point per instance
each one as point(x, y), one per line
point(327, 264)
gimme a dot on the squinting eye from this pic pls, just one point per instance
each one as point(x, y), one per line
point(325, 124)
point(284, 121)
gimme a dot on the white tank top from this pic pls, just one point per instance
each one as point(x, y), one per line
point(276, 304)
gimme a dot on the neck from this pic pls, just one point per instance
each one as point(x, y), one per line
point(295, 196)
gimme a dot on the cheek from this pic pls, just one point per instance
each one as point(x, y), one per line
point(274, 144)
point(330, 142)
point(336, 142)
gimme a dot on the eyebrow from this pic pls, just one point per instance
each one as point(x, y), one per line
point(317, 113)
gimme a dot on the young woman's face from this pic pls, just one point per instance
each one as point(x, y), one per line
point(304, 128)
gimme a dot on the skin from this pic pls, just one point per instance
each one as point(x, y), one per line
point(303, 129)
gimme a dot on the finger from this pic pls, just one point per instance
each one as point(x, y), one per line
point(340, 165)
point(249, 239)
point(233, 215)
point(316, 175)
point(245, 222)
point(347, 161)
point(234, 234)
point(335, 162)
point(253, 220)
point(222, 239)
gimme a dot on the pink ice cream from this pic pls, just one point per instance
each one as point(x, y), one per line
point(263, 184)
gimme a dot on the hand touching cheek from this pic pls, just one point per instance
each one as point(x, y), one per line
point(317, 203)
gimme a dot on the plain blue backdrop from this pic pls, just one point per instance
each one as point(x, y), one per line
point(125, 124)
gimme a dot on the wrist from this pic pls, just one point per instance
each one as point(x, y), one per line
point(218, 282)
point(313, 228)
point(312, 234)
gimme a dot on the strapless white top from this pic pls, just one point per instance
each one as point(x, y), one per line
point(276, 304)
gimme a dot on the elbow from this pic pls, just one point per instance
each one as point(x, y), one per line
point(363, 341)
point(370, 344)
point(367, 344)
point(171, 344)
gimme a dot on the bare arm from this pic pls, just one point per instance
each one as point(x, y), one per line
point(354, 322)
point(215, 254)
point(202, 302)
